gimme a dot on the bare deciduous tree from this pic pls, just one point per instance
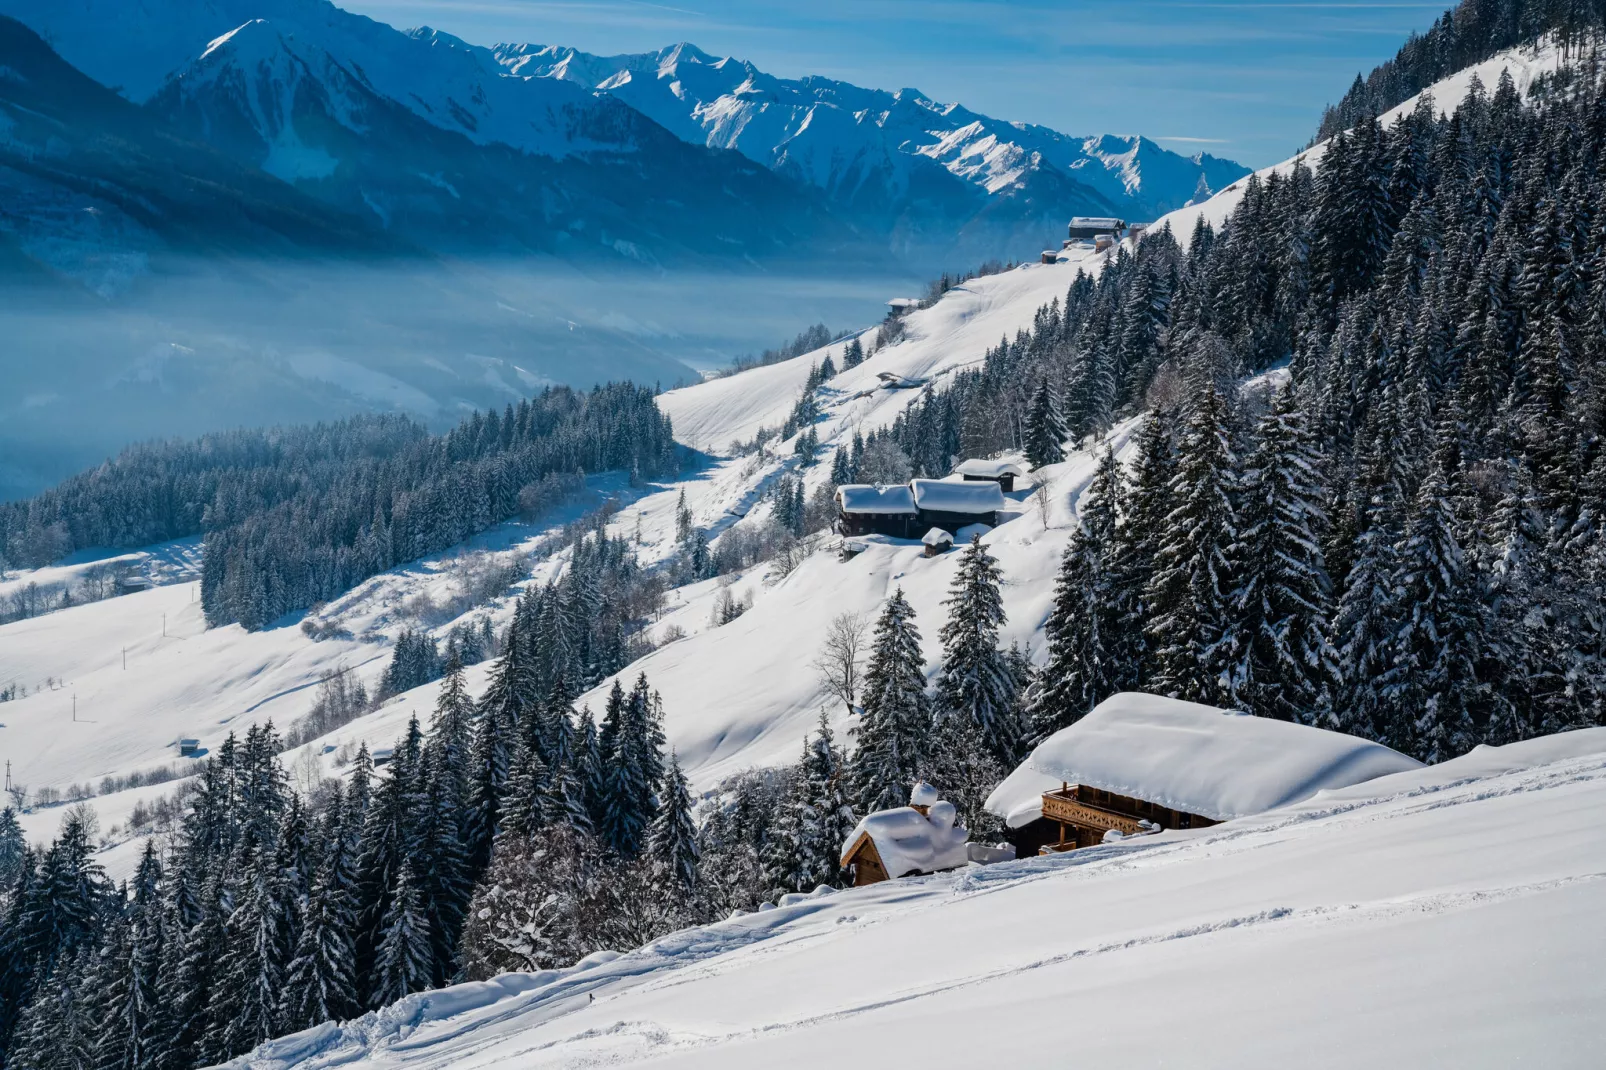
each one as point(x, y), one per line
point(838, 661)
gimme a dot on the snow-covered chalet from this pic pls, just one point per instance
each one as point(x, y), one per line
point(1140, 763)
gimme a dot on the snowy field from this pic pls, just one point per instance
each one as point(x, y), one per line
point(1442, 917)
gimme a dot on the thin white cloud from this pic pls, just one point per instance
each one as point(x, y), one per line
point(1198, 140)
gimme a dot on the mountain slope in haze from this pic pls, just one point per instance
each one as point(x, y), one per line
point(94, 186)
point(594, 178)
point(430, 139)
point(899, 158)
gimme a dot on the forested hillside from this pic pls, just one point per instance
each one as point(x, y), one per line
point(1468, 33)
point(1408, 543)
point(298, 515)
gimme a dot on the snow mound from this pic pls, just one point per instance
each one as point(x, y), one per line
point(1198, 759)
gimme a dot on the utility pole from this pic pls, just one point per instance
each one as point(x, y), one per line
point(8, 776)
point(164, 625)
point(75, 707)
point(125, 659)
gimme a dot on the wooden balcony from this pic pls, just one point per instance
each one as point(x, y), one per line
point(1064, 807)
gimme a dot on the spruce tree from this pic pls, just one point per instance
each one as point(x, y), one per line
point(975, 683)
point(1044, 435)
point(1283, 661)
point(894, 730)
point(1087, 659)
point(403, 962)
point(1190, 593)
point(672, 838)
point(1431, 688)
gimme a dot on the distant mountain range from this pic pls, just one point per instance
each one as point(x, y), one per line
point(669, 158)
point(922, 172)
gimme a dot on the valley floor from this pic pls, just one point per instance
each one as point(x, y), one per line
point(1446, 917)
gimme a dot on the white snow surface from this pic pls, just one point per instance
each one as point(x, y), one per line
point(1198, 759)
point(908, 841)
point(1443, 917)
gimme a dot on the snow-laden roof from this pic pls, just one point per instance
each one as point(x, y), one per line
point(1109, 222)
point(908, 841)
point(988, 469)
point(862, 498)
point(945, 496)
point(1198, 759)
point(937, 537)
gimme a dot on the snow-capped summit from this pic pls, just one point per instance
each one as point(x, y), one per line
point(837, 135)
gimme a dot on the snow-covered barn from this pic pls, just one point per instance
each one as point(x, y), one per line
point(1090, 228)
point(1140, 763)
point(919, 838)
point(951, 505)
point(1004, 473)
point(862, 509)
point(903, 511)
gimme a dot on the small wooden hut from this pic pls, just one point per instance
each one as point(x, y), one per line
point(1004, 473)
point(910, 840)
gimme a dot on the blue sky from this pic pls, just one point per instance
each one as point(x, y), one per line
point(1245, 79)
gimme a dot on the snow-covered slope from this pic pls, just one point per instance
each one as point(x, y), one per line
point(897, 155)
point(1442, 917)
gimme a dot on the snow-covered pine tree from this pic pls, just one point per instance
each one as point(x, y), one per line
point(1044, 434)
point(1283, 660)
point(975, 683)
point(320, 985)
point(1087, 660)
point(1190, 593)
point(403, 962)
point(1432, 688)
point(13, 848)
point(893, 735)
point(672, 837)
point(246, 1007)
point(1137, 544)
point(1365, 621)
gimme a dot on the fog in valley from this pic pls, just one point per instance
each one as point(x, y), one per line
point(218, 344)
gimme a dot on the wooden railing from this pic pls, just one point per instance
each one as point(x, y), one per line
point(1063, 806)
